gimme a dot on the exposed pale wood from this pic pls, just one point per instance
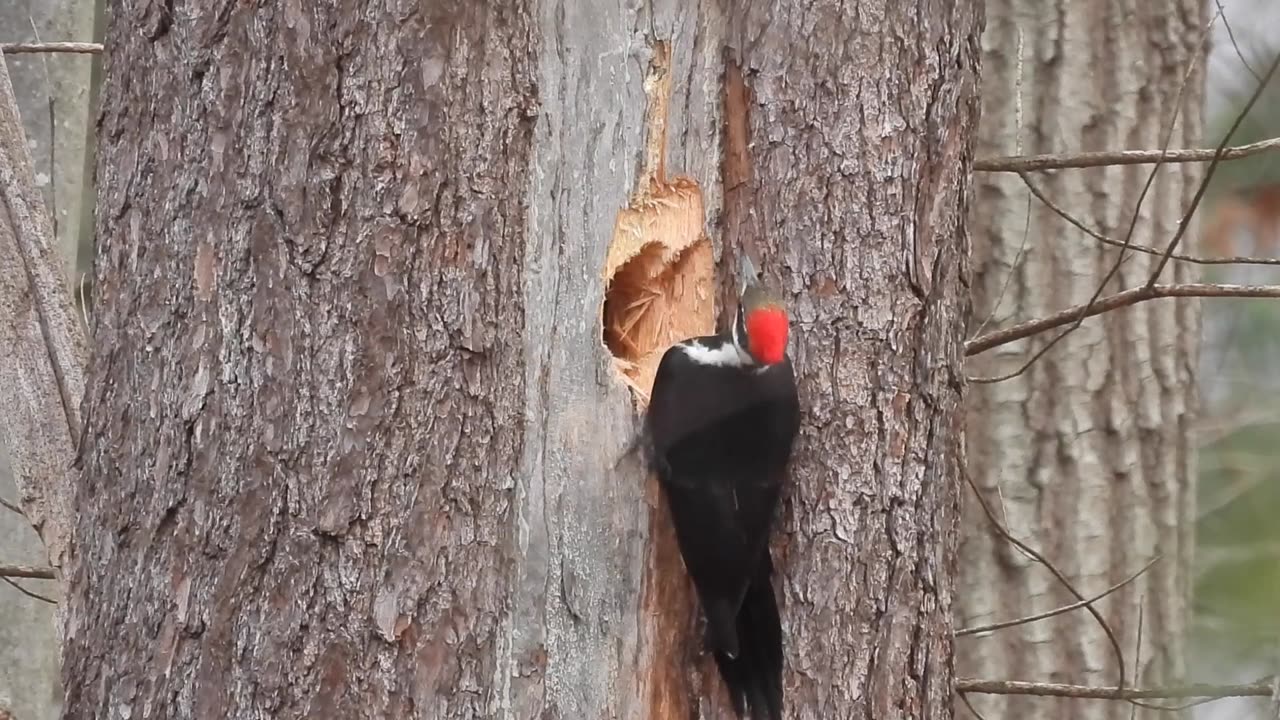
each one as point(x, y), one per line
point(602, 605)
point(368, 411)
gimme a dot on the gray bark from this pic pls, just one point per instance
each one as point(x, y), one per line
point(57, 147)
point(29, 683)
point(1087, 456)
point(353, 430)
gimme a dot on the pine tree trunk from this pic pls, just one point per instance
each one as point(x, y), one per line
point(1088, 455)
point(848, 173)
point(352, 429)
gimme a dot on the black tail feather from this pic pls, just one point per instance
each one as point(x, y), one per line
point(754, 678)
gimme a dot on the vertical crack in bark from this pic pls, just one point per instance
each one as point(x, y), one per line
point(659, 272)
point(660, 278)
point(851, 187)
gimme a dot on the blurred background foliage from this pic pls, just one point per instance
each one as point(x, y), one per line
point(1236, 622)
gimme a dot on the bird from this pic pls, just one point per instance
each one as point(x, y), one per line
point(722, 418)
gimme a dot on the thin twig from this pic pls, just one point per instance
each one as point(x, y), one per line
point(50, 47)
point(1234, 492)
point(1062, 213)
point(1026, 223)
point(28, 593)
point(1128, 236)
point(1208, 174)
point(1013, 270)
point(53, 133)
point(27, 571)
point(964, 698)
point(11, 506)
point(1232, 36)
point(1125, 298)
point(1053, 570)
point(1110, 158)
point(1017, 687)
point(978, 629)
point(1233, 419)
point(1137, 662)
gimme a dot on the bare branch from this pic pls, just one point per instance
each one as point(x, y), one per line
point(10, 506)
point(963, 698)
point(1232, 36)
point(1208, 175)
point(1128, 237)
point(1003, 532)
point(1017, 687)
point(1076, 222)
point(979, 629)
point(28, 593)
point(50, 47)
point(42, 370)
point(1107, 158)
point(27, 571)
point(1114, 302)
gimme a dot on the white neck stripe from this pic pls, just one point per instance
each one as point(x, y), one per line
point(725, 355)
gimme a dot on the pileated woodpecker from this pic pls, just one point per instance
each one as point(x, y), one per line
point(721, 421)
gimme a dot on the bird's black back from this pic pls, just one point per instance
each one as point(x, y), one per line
point(720, 438)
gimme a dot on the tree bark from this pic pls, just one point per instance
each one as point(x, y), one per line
point(51, 94)
point(847, 171)
point(353, 437)
point(1086, 456)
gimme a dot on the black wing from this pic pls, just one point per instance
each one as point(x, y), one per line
point(720, 439)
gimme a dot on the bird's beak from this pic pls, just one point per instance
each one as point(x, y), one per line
point(746, 273)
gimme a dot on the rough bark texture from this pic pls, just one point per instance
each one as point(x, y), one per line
point(851, 182)
point(1087, 456)
point(353, 443)
point(306, 417)
point(41, 383)
point(28, 643)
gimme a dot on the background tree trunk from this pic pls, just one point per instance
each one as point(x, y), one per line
point(57, 148)
point(353, 431)
point(29, 683)
point(1088, 455)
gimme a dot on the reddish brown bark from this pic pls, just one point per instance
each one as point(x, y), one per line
point(305, 410)
point(854, 194)
point(351, 423)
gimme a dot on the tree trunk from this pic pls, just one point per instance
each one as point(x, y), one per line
point(29, 684)
point(57, 135)
point(1086, 456)
point(352, 433)
point(847, 170)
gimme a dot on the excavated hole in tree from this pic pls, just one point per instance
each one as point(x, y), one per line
point(660, 284)
point(660, 289)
